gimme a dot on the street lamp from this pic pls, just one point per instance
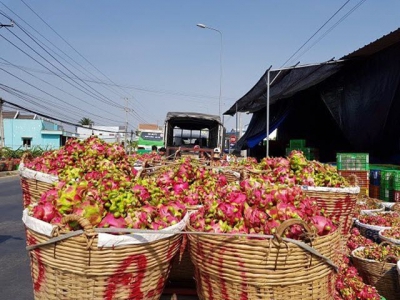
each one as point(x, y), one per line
point(220, 73)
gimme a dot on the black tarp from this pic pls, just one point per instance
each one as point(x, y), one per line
point(360, 100)
point(285, 84)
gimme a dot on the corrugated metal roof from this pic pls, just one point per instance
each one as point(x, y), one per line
point(9, 114)
point(148, 127)
point(380, 44)
point(16, 115)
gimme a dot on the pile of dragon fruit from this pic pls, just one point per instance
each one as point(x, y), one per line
point(98, 181)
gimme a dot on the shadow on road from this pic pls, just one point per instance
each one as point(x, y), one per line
point(4, 238)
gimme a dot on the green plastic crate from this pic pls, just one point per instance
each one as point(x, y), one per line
point(352, 161)
point(297, 144)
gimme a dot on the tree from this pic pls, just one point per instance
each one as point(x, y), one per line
point(86, 121)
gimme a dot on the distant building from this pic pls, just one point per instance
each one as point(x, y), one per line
point(27, 131)
point(110, 134)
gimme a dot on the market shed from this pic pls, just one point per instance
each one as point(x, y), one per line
point(351, 104)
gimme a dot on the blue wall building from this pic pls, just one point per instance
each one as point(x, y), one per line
point(29, 133)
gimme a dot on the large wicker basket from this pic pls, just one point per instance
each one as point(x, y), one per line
point(77, 268)
point(34, 183)
point(338, 203)
point(383, 275)
point(231, 267)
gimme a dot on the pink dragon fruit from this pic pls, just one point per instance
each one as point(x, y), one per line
point(109, 221)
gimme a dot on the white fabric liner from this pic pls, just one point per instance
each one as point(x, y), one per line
point(37, 225)
point(110, 240)
point(31, 174)
point(388, 204)
point(384, 238)
point(347, 190)
point(398, 267)
point(372, 227)
point(106, 239)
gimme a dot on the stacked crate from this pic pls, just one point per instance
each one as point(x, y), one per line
point(309, 153)
point(355, 164)
point(390, 185)
point(396, 186)
point(374, 183)
point(386, 186)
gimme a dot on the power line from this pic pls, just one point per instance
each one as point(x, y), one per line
point(101, 97)
point(333, 26)
point(55, 46)
point(315, 33)
point(52, 85)
point(55, 97)
point(46, 67)
point(56, 119)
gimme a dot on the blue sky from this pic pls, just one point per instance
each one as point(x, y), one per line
point(160, 60)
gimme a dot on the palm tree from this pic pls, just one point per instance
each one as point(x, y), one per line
point(86, 121)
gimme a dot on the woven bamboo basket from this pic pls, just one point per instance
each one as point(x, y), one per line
point(383, 275)
point(75, 268)
point(384, 238)
point(33, 183)
point(231, 267)
point(182, 270)
point(339, 203)
point(398, 271)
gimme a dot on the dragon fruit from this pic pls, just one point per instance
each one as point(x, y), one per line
point(110, 221)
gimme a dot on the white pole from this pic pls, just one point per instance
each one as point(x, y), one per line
point(267, 112)
point(2, 144)
point(220, 81)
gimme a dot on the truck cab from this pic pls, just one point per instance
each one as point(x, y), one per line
point(193, 134)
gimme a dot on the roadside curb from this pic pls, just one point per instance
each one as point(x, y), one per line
point(9, 173)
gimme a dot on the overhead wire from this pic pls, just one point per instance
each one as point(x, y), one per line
point(73, 48)
point(55, 46)
point(333, 27)
point(57, 119)
point(55, 97)
point(26, 32)
point(44, 66)
point(93, 93)
point(29, 98)
point(315, 33)
point(147, 90)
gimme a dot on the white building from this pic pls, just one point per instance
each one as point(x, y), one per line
point(110, 134)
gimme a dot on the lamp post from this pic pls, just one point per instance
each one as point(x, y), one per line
point(220, 75)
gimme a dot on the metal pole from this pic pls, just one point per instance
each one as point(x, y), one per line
point(220, 80)
point(126, 124)
point(236, 127)
point(1, 124)
point(267, 112)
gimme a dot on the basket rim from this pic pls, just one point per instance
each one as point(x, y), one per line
point(388, 204)
point(367, 259)
point(27, 173)
point(345, 190)
point(373, 227)
point(392, 240)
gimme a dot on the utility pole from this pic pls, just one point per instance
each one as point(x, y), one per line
point(126, 123)
point(1, 124)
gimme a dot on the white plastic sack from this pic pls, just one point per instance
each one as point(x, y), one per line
point(32, 174)
point(106, 239)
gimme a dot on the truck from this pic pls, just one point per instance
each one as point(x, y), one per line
point(194, 134)
point(149, 135)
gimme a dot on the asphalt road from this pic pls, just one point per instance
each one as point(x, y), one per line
point(15, 277)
